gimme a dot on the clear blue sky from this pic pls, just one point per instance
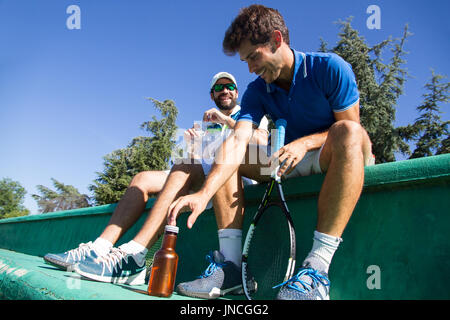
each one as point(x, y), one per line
point(69, 97)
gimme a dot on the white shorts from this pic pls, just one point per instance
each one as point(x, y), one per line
point(308, 166)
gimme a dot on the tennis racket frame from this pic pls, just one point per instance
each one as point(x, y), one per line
point(275, 183)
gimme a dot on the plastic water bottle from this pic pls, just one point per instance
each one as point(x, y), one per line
point(165, 262)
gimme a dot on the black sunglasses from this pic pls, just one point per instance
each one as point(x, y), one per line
point(221, 87)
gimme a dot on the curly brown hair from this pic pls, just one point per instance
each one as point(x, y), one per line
point(255, 23)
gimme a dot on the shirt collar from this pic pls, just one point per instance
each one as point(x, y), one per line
point(299, 57)
point(235, 110)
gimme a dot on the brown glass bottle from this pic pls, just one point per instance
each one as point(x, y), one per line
point(164, 269)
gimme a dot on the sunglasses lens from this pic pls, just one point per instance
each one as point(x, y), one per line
point(220, 87)
point(230, 86)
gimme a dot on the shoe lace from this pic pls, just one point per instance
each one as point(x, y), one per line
point(213, 266)
point(316, 277)
point(80, 252)
point(113, 259)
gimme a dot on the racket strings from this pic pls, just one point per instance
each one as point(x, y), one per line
point(269, 252)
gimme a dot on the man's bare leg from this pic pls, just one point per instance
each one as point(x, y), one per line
point(229, 205)
point(342, 157)
point(229, 200)
point(132, 204)
point(182, 178)
point(129, 209)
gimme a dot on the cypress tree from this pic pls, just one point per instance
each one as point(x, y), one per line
point(429, 132)
point(380, 85)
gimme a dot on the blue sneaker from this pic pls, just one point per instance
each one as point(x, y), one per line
point(307, 284)
point(116, 267)
point(220, 278)
point(68, 259)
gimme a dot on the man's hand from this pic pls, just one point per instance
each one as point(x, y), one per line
point(192, 133)
point(214, 115)
point(192, 138)
point(194, 202)
point(291, 154)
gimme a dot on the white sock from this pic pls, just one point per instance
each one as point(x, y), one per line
point(322, 251)
point(102, 246)
point(136, 249)
point(230, 245)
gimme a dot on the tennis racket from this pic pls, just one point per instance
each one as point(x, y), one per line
point(268, 256)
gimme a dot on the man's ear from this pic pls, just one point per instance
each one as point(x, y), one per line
point(276, 39)
point(212, 95)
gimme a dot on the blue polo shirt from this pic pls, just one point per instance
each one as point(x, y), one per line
point(323, 83)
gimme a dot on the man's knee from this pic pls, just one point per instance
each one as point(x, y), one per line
point(346, 128)
point(347, 134)
point(346, 139)
point(140, 179)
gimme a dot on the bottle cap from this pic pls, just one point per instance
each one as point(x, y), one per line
point(173, 229)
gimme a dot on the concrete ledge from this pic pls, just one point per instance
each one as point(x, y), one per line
point(28, 277)
point(400, 227)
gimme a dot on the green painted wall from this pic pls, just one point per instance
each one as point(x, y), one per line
point(398, 233)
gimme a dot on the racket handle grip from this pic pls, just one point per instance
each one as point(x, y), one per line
point(280, 125)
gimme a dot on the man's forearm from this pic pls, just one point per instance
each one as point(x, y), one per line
point(231, 123)
point(313, 141)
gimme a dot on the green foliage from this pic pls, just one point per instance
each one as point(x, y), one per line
point(159, 148)
point(379, 84)
point(142, 154)
point(429, 132)
point(66, 197)
point(445, 145)
point(12, 195)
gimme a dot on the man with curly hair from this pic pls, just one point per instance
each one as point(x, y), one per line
point(317, 94)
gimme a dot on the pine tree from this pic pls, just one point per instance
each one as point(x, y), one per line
point(66, 197)
point(429, 132)
point(445, 145)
